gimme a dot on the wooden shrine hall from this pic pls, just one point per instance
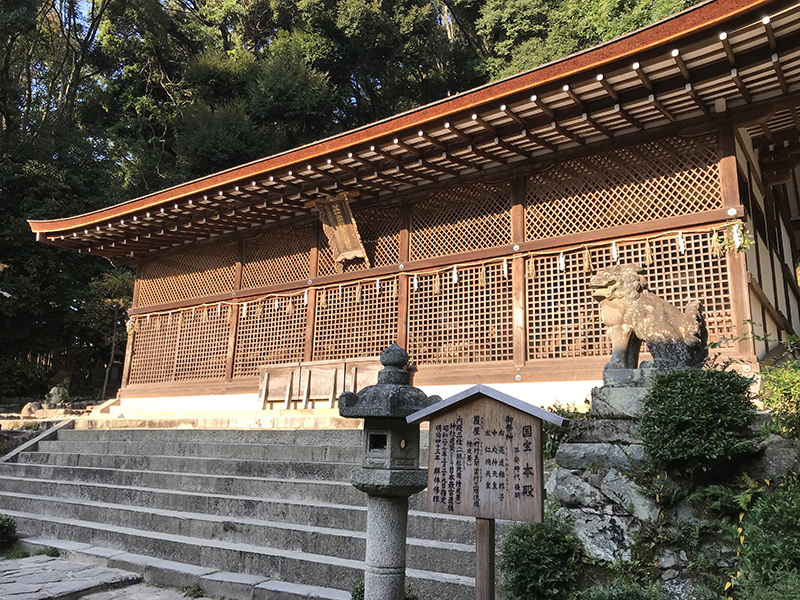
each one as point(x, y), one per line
point(467, 230)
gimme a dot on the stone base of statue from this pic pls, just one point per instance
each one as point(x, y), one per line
point(622, 392)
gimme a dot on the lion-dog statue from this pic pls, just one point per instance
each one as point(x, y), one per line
point(633, 314)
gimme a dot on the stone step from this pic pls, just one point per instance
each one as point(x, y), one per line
point(339, 492)
point(458, 559)
point(307, 437)
point(194, 464)
point(229, 450)
point(423, 525)
point(284, 565)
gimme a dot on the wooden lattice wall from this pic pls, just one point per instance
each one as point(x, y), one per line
point(202, 271)
point(563, 318)
point(270, 331)
point(444, 319)
point(671, 177)
point(354, 321)
point(463, 318)
point(277, 256)
point(461, 219)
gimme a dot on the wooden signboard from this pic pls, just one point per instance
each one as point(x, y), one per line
point(486, 462)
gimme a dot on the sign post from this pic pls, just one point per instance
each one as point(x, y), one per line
point(485, 461)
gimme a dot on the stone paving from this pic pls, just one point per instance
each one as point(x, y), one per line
point(141, 591)
point(46, 578)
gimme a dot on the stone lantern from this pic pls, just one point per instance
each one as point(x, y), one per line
point(389, 472)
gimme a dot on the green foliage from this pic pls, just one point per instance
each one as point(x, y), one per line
point(526, 33)
point(782, 396)
point(659, 485)
point(697, 417)
point(8, 532)
point(728, 500)
point(771, 546)
point(16, 552)
point(194, 591)
point(782, 585)
point(357, 591)
point(49, 551)
point(620, 590)
point(540, 560)
point(21, 377)
point(554, 435)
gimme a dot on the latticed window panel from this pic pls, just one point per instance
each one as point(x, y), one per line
point(271, 331)
point(195, 273)
point(153, 358)
point(468, 320)
point(564, 319)
point(461, 219)
point(379, 229)
point(356, 320)
point(649, 181)
point(202, 350)
point(277, 256)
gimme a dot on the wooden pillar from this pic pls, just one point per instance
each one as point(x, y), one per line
point(484, 559)
point(737, 265)
point(728, 170)
point(126, 366)
point(538, 470)
point(402, 312)
point(519, 282)
point(136, 285)
point(234, 328)
point(402, 284)
point(311, 309)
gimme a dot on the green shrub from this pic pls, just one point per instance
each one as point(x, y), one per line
point(48, 551)
point(357, 591)
point(194, 592)
point(696, 417)
point(782, 396)
point(623, 591)
point(8, 532)
point(539, 560)
point(16, 552)
point(553, 434)
point(22, 378)
point(783, 585)
point(771, 546)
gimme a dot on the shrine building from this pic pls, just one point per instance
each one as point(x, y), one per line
point(467, 230)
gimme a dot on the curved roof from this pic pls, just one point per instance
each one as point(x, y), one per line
point(715, 60)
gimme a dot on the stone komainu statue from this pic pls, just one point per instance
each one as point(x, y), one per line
point(633, 314)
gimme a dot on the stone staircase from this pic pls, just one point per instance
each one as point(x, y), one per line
point(262, 514)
